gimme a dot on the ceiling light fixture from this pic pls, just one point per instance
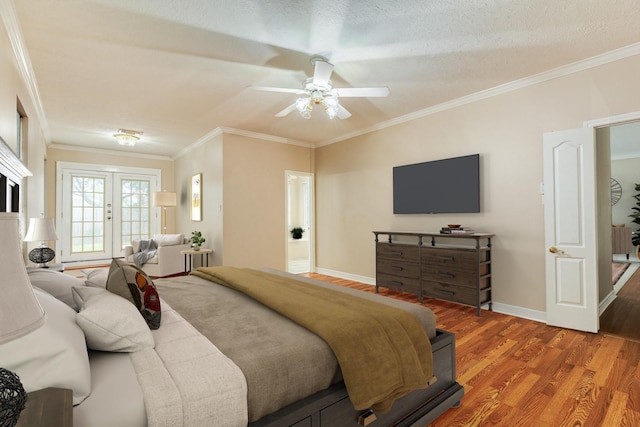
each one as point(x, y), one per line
point(329, 102)
point(127, 137)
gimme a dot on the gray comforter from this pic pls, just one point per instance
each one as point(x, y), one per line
point(282, 361)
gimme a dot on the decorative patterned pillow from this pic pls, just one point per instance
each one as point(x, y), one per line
point(133, 284)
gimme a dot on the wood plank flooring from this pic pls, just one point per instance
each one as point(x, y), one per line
point(622, 317)
point(518, 372)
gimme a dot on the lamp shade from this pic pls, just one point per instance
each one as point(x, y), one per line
point(164, 199)
point(40, 229)
point(20, 311)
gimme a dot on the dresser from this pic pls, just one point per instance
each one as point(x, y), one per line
point(451, 267)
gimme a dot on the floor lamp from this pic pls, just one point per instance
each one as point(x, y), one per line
point(164, 200)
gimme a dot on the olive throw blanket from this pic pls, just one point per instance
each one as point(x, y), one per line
point(383, 352)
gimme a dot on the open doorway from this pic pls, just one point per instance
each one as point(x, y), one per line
point(622, 316)
point(299, 216)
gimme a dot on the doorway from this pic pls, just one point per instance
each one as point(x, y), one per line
point(620, 318)
point(101, 209)
point(299, 215)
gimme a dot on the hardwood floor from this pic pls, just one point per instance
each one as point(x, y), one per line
point(622, 317)
point(518, 372)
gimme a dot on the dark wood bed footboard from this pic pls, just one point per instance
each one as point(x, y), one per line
point(332, 407)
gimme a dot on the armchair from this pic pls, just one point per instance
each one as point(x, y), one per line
point(168, 259)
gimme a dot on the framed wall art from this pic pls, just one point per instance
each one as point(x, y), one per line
point(196, 197)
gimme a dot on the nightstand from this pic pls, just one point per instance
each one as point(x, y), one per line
point(51, 407)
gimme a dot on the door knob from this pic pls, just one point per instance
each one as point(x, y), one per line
point(555, 250)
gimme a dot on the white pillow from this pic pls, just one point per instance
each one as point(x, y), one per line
point(54, 355)
point(110, 322)
point(97, 278)
point(136, 245)
point(168, 239)
point(55, 283)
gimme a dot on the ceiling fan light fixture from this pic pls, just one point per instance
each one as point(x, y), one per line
point(127, 137)
point(304, 107)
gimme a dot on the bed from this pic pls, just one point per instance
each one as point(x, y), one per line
point(263, 369)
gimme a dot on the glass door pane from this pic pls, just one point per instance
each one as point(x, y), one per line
point(132, 211)
point(86, 216)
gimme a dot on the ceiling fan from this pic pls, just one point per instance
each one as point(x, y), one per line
point(318, 90)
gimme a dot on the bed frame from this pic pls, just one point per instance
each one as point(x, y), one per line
point(332, 407)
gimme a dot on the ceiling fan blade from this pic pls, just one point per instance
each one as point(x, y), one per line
point(369, 92)
point(276, 89)
point(343, 113)
point(322, 73)
point(290, 109)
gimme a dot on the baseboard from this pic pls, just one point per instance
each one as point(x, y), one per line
point(512, 310)
point(348, 276)
point(606, 302)
point(517, 311)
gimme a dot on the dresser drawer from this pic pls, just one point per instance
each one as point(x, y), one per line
point(398, 268)
point(398, 252)
point(398, 283)
point(448, 292)
point(459, 258)
point(453, 274)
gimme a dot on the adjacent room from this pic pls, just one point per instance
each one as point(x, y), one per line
point(319, 213)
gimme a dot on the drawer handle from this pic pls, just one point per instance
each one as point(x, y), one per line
point(448, 292)
point(448, 275)
point(446, 258)
point(396, 268)
point(395, 282)
point(397, 253)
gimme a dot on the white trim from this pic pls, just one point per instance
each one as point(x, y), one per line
point(14, 31)
point(207, 137)
point(606, 302)
point(612, 120)
point(348, 276)
point(109, 152)
point(517, 311)
point(617, 287)
point(266, 137)
point(221, 130)
point(565, 70)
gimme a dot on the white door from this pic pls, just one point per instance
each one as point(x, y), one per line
point(86, 215)
point(102, 211)
point(570, 229)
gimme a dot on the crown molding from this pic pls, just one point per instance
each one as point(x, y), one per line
point(14, 31)
point(221, 130)
point(108, 152)
point(605, 58)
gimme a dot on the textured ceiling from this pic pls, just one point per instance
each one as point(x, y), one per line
point(177, 69)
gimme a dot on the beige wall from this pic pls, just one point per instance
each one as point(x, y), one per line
point(353, 178)
point(243, 197)
point(205, 158)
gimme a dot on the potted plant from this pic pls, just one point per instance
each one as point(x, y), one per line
point(636, 220)
point(296, 233)
point(196, 240)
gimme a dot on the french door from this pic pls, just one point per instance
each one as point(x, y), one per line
point(99, 211)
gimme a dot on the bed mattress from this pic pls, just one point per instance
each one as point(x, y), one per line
point(282, 361)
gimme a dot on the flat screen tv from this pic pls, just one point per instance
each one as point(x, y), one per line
point(439, 186)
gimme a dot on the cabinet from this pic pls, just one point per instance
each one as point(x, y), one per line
point(436, 265)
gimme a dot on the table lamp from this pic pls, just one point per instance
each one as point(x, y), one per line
point(41, 229)
point(20, 311)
